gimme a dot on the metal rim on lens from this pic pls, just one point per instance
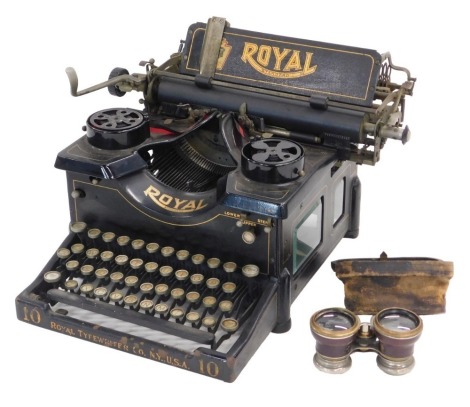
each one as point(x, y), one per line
point(328, 333)
point(405, 334)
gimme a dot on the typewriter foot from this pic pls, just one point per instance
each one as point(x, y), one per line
point(354, 223)
point(283, 327)
point(352, 234)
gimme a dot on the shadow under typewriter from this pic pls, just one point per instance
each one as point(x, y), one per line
point(172, 306)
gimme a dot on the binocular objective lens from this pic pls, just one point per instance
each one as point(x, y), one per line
point(398, 321)
point(335, 321)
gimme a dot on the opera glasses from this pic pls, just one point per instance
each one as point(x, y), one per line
point(391, 333)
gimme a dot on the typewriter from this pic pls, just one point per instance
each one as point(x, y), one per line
point(197, 221)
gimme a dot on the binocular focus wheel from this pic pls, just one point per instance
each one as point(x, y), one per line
point(396, 368)
point(331, 365)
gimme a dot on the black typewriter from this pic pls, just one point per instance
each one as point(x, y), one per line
point(196, 221)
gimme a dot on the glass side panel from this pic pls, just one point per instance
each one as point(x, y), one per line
point(308, 235)
point(338, 203)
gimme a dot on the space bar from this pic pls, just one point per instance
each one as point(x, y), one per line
point(124, 314)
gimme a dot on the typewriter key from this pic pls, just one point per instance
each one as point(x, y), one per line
point(87, 288)
point(250, 270)
point(131, 300)
point(166, 271)
point(92, 253)
point(192, 317)
point(152, 247)
point(177, 313)
point(138, 244)
point(177, 293)
point(161, 289)
point(101, 273)
point(181, 275)
point(226, 306)
point(108, 237)
point(182, 255)
point(121, 259)
point(193, 296)
point(115, 296)
point(94, 233)
point(167, 251)
point(131, 281)
point(213, 262)
point(136, 264)
point(63, 253)
point(107, 255)
point(161, 308)
point(230, 267)
point(146, 288)
point(72, 265)
point(249, 236)
point(229, 325)
point(52, 276)
point(123, 240)
point(196, 279)
point(197, 258)
point(117, 277)
point(77, 227)
point(229, 287)
point(77, 248)
point(209, 301)
point(87, 269)
point(100, 292)
point(71, 285)
point(146, 305)
point(209, 322)
point(212, 283)
point(151, 267)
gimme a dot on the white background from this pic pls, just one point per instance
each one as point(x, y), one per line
point(414, 202)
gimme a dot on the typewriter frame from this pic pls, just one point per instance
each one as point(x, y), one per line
point(113, 189)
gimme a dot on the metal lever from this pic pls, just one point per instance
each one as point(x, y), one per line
point(134, 81)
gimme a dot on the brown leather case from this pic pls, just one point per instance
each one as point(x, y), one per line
point(416, 283)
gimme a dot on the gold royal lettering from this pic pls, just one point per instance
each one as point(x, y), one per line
point(260, 58)
point(61, 328)
point(173, 204)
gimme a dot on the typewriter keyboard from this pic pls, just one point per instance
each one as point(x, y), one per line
point(205, 300)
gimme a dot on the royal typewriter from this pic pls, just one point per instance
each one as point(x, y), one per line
point(197, 220)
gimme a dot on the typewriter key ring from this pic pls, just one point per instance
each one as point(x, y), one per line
point(79, 229)
point(78, 248)
point(123, 243)
point(94, 234)
point(52, 277)
point(182, 255)
point(63, 254)
point(193, 317)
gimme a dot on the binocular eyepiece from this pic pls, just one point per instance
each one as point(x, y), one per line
point(391, 333)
